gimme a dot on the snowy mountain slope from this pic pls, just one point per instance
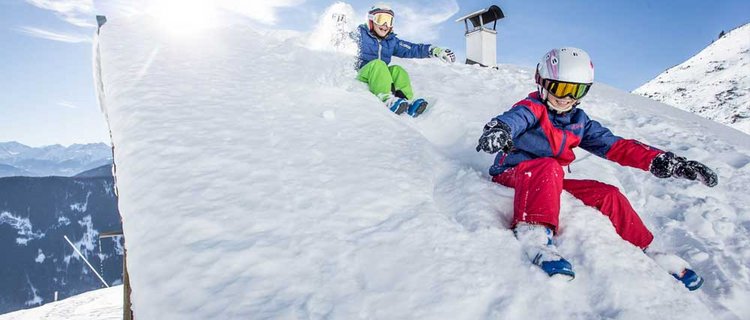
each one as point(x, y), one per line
point(715, 83)
point(319, 203)
point(17, 159)
point(104, 304)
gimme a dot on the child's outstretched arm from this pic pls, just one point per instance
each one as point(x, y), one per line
point(406, 49)
point(632, 153)
point(600, 141)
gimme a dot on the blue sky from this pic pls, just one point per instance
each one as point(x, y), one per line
point(48, 95)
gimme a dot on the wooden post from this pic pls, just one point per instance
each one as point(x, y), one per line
point(127, 311)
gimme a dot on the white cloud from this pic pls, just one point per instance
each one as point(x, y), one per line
point(76, 12)
point(419, 20)
point(67, 105)
point(52, 35)
point(79, 13)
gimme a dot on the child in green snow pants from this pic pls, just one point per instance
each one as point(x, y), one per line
point(381, 78)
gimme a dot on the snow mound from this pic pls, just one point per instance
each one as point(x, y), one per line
point(715, 83)
point(258, 179)
point(103, 304)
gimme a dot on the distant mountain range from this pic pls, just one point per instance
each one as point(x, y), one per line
point(35, 214)
point(17, 159)
point(715, 83)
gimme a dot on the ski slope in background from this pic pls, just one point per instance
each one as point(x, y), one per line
point(715, 83)
point(258, 179)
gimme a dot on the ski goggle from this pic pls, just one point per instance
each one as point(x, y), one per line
point(382, 18)
point(562, 89)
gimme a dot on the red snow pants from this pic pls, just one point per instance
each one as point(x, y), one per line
point(539, 183)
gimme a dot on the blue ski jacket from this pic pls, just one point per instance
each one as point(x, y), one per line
point(372, 47)
point(539, 133)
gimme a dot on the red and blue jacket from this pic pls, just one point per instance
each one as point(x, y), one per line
point(538, 133)
point(372, 47)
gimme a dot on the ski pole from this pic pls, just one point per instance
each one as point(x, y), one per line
point(84, 260)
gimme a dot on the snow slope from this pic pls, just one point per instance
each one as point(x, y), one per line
point(103, 304)
point(257, 179)
point(715, 83)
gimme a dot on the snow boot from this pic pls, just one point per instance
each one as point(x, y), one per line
point(536, 242)
point(416, 107)
point(395, 104)
point(677, 267)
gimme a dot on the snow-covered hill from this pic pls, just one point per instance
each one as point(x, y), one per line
point(715, 83)
point(258, 180)
point(103, 304)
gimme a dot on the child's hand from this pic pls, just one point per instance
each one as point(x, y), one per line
point(496, 137)
point(443, 54)
point(669, 165)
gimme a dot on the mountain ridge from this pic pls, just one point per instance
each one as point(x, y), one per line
point(715, 83)
point(17, 159)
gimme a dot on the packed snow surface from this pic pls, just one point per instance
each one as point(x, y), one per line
point(103, 304)
point(715, 83)
point(259, 180)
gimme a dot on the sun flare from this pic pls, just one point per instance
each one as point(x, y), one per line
point(184, 17)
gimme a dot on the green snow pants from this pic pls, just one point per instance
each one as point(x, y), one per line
point(384, 80)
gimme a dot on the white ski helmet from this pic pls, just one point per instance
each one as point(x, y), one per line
point(565, 72)
point(380, 11)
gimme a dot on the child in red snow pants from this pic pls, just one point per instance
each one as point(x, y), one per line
point(539, 183)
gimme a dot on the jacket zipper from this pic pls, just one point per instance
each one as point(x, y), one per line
point(380, 49)
point(564, 139)
point(562, 144)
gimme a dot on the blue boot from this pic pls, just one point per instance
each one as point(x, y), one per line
point(417, 107)
point(690, 279)
point(536, 241)
point(677, 267)
point(395, 104)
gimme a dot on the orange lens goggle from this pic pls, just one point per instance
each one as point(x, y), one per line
point(382, 18)
point(563, 89)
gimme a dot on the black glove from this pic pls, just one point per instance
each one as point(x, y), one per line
point(668, 165)
point(496, 137)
